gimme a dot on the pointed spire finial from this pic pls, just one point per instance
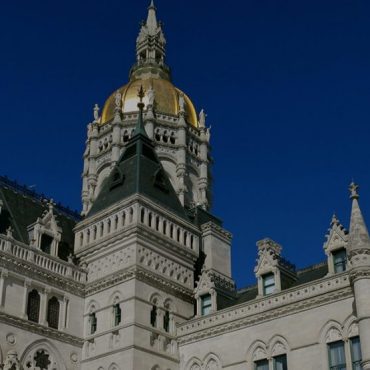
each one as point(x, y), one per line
point(139, 129)
point(353, 188)
point(151, 20)
point(334, 220)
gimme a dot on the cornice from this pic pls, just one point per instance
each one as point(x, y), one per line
point(136, 272)
point(40, 329)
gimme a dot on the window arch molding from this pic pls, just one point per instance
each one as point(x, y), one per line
point(211, 358)
point(350, 327)
point(92, 307)
point(156, 299)
point(331, 332)
point(256, 351)
point(194, 364)
point(56, 360)
point(113, 366)
point(115, 297)
point(276, 346)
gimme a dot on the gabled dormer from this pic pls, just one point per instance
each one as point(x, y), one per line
point(213, 292)
point(335, 247)
point(273, 272)
point(44, 233)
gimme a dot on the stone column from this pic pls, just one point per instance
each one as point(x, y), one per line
point(203, 178)
point(181, 158)
point(3, 275)
point(43, 306)
point(26, 285)
point(149, 122)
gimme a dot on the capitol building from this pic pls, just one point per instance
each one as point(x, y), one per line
point(141, 279)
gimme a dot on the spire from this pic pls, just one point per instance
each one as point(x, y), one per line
point(359, 236)
point(150, 48)
point(151, 21)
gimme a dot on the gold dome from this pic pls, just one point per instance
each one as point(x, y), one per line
point(166, 99)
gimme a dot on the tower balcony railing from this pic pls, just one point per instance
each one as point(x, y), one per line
point(150, 62)
point(21, 251)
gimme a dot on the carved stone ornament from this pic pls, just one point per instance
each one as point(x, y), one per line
point(12, 361)
point(11, 339)
point(333, 335)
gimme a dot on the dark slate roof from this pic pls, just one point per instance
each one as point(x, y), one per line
point(21, 207)
point(199, 216)
point(138, 171)
point(304, 276)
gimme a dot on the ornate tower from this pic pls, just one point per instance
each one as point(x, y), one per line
point(139, 248)
point(171, 121)
point(359, 263)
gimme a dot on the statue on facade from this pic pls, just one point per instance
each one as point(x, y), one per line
point(202, 119)
point(181, 102)
point(151, 95)
point(96, 112)
point(117, 99)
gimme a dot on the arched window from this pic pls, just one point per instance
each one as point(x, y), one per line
point(117, 314)
point(166, 321)
point(53, 313)
point(93, 323)
point(153, 316)
point(33, 306)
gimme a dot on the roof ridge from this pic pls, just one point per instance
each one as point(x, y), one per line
point(25, 190)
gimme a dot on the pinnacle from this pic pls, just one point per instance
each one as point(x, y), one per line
point(359, 235)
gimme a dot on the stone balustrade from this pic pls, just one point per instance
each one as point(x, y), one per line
point(24, 252)
point(126, 218)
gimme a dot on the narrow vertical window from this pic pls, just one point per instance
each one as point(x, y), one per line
point(337, 358)
point(53, 313)
point(153, 316)
point(93, 323)
point(268, 281)
point(33, 306)
point(340, 260)
point(117, 314)
point(166, 321)
point(261, 365)
point(356, 353)
point(280, 362)
point(206, 304)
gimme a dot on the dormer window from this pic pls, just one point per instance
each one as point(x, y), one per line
point(339, 260)
point(206, 304)
point(268, 281)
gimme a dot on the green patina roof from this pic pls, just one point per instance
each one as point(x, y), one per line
point(22, 207)
point(138, 171)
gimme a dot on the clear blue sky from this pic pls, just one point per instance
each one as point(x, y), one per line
point(286, 85)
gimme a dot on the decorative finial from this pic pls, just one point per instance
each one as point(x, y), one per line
point(353, 188)
point(9, 232)
point(141, 94)
point(96, 112)
point(51, 205)
point(152, 4)
point(334, 220)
